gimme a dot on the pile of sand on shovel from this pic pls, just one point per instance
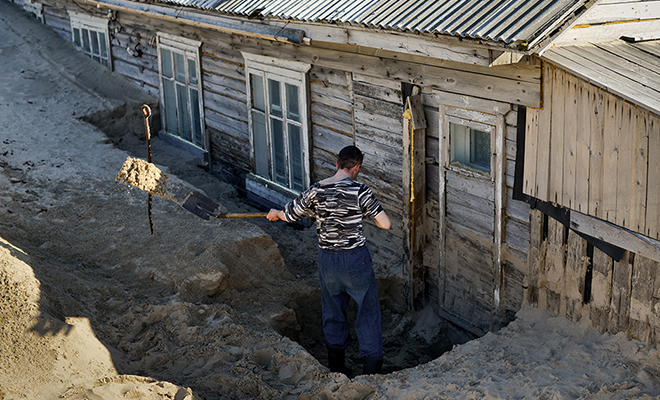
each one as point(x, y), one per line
point(144, 176)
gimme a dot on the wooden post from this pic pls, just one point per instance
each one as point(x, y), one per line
point(414, 189)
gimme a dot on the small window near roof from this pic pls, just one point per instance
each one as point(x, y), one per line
point(470, 148)
point(90, 35)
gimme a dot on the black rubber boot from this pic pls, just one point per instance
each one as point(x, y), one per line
point(372, 366)
point(337, 361)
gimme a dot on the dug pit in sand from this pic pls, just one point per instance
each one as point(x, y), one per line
point(144, 176)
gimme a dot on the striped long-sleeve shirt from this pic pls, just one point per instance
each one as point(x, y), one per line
point(339, 209)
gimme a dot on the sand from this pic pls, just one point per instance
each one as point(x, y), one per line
point(144, 176)
point(93, 306)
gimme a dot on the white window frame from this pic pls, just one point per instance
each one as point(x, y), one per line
point(91, 24)
point(466, 168)
point(190, 49)
point(284, 71)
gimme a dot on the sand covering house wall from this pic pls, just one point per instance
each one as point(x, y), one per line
point(595, 155)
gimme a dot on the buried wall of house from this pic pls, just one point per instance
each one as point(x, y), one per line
point(591, 158)
point(472, 237)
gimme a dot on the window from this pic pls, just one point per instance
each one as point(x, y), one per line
point(278, 120)
point(90, 35)
point(180, 89)
point(470, 146)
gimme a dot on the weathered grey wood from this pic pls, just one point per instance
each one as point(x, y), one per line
point(216, 64)
point(452, 80)
point(610, 166)
point(570, 116)
point(471, 212)
point(596, 103)
point(576, 268)
point(610, 233)
point(621, 280)
point(432, 124)
point(229, 106)
point(227, 125)
point(531, 148)
point(601, 290)
point(640, 167)
point(554, 273)
point(329, 77)
point(386, 159)
point(616, 84)
point(382, 136)
point(542, 160)
point(134, 72)
point(329, 139)
point(123, 40)
point(472, 115)
point(582, 143)
point(330, 95)
point(516, 209)
point(55, 19)
point(475, 102)
point(229, 149)
point(516, 235)
point(388, 124)
point(641, 295)
point(479, 187)
point(556, 170)
point(332, 118)
point(625, 167)
point(653, 195)
point(224, 85)
point(617, 10)
point(145, 61)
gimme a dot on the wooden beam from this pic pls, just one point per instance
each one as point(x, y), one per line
point(616, 235)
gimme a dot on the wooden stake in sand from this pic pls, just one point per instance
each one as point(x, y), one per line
point(144, 176)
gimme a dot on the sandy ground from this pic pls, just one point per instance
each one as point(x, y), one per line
point(92, 306)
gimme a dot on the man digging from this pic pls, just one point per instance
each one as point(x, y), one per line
point(339, 204)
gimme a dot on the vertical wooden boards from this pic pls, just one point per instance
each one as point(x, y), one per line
point(535, 258)
point(414, 188)
point(601, 290)
point(639, 164)
point(653, 186)
point(621, 281)
point(531, 149)
point(576, 268)
point(468, 287)
point(557, 129)
point(613, 111)
point(554, 273)
point(544, 134)
point(582, 143)
point(641, 297)
point(595, 187)
point(572, 106)
point(624, 170)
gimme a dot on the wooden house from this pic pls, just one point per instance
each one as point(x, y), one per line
point(436, 94)
point(591, 162)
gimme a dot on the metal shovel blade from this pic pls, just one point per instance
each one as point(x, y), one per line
point(205, 208)
point(201, 205)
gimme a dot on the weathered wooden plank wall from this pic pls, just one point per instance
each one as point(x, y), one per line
point(570, 278)
point(591, 151)
point(58, 19)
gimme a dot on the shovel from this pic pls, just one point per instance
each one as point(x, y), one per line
point(146, 176)
point(205, 208)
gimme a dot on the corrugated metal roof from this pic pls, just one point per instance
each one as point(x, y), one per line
point(629, 70)
point(498, 20)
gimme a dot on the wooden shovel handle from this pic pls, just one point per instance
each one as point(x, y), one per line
point(244, 215)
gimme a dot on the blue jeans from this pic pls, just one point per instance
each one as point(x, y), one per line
point(344, 274)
